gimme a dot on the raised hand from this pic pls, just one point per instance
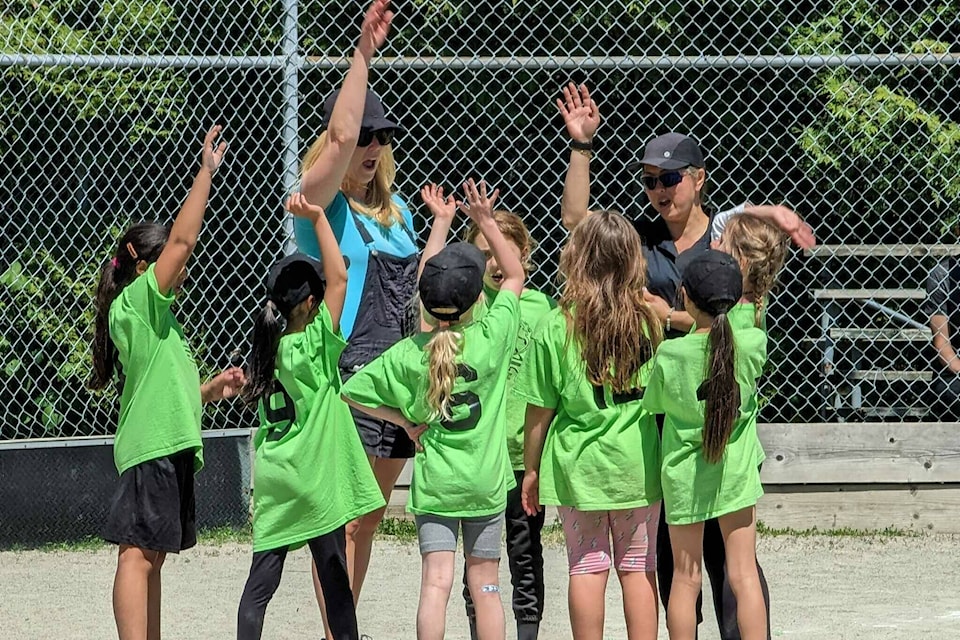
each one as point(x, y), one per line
point(297, 205)
point(478, 205)
point(579, 112)
point(375, 27)
point(799, 231)
point(212, 156)
point(442, 208)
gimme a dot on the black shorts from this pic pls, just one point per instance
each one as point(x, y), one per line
point(153, 507)
point(382, 439)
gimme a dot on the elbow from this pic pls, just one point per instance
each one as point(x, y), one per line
point(570, 218)
point(342, 136)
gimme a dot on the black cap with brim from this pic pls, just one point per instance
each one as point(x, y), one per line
point(452, 281)
point(292, 280)
point(713, 281)
point(374, 116)
point(671, 151)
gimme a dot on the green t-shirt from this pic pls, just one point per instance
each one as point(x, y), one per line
point(311, 474)
point(160, 403)
point(464, 470)
point(743, 315)
point(602, 451)
point(533, 307)
point(695, 490)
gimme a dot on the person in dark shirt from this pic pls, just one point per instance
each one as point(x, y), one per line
point(941, 306)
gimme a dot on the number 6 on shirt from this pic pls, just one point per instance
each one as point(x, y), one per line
point(468, 398)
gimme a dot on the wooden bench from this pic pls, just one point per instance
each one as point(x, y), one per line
point(844, 340)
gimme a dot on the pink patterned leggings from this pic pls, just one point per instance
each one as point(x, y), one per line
point(588, 539)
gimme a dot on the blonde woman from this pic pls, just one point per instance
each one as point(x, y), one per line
point(349, 172)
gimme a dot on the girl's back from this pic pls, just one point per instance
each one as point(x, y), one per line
point(602, 451)
point(676, 389)
point(464, 470)
point(311, 475)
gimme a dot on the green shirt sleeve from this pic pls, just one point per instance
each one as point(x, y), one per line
point(327, 344)
point(384, 383)
point(653, 394)
point(145, 299)
point(539, 380)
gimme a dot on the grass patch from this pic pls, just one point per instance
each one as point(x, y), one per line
point(842, 532)
point(398, 528)
point(225, 535)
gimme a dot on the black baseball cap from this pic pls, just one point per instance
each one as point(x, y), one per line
point(374, 116)
point(672, 151)
point(713, 281)
point(293, 280)
point(452, 280)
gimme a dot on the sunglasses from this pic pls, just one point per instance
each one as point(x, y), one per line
point(667, 179)
point(383, 136)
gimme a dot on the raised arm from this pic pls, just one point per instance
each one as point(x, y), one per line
point(334, 267)
point(186, 227)
point(581, 116)
point(480, 210)
point(782, 217)
point(443, 210)
point(322, 180)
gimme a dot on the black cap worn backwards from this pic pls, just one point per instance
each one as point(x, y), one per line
point(293, 280)
point(672, 151)
point(374, 116)
point(452, 281)
point(713, 281)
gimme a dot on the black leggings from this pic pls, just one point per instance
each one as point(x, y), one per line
point(714, 563)
point(330, 555)
point(525, 555)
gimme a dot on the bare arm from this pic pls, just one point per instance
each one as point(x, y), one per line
point(786, 220)
point(322, 181)
point(480, 211)
point(680, 320)
point(581, 116)
point(535, 428)
point(186, 226)
point(334, 267)
point(940, 329)
point(443, 210)
point(390, 414)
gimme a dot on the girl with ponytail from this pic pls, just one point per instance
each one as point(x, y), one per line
point(447, 388)
point(310, 474)
point(157, 448)
point(705, 385)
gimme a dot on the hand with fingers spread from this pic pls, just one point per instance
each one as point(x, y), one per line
point(212, 155)
point(579, 112)
point(479, 206)
point(297, 205)
point(375, 27)
point(442, 208)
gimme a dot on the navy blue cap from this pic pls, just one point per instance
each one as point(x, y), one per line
point(672, 151)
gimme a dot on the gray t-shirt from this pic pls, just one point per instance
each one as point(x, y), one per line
point(941, 295)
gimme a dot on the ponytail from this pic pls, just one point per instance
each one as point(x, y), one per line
point(722, 390)
point(267, 329)
point(442, 350)
point(141, 243)
point(758, 314)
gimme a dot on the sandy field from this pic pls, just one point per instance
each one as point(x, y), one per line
point(881, 588)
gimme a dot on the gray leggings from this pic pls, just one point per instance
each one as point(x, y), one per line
point(481, 535)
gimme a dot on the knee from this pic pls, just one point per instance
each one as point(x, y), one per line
point(366, 526)
point(743, 578)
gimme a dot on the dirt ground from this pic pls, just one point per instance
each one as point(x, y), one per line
point(822, 587)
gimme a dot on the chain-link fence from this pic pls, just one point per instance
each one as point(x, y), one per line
point(847, 110)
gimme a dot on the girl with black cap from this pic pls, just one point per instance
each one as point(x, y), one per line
point(350, 172)
point(705, 385)
point(310, 474)
point(447, 387)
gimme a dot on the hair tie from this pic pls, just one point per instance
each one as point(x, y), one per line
point(114, 262)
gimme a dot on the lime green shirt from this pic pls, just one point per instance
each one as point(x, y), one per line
point(695, 490)
point(602, 450)
point(533, 307)
point(464, 470)
point(744, 316)
point(160, 403)
point(311, 474)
